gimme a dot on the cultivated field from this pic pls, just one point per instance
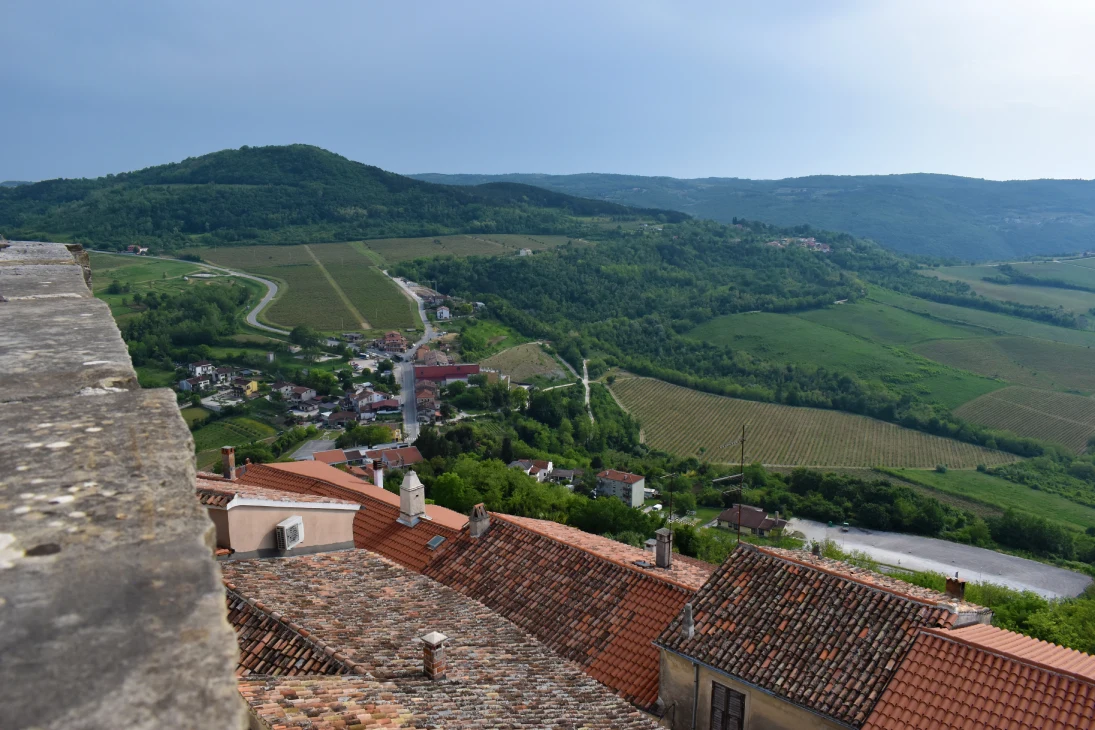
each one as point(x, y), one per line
point(682, 421)
point(786, 338)
point(888, 325)
point(998, 323)
point(525, 362)
point(1042, 296)
point(1061, 417)
point(1019, 360)
point(330, 287)
point(394, 250)
point(1002, 494)
point(230, 432)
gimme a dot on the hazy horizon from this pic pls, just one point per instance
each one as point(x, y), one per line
point(757, 90)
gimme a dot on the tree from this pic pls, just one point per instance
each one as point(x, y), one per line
point(507, 449)
point(196, 400)
point(684, 503)
point(304, 336)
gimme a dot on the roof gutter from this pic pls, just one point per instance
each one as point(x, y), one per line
point(249, 502)
point(697, 663)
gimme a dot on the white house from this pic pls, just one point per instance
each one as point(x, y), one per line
point(443, 313)
point(622, 485)
point(201, 367)
point(195, 384)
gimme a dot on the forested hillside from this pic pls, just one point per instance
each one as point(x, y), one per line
point(935, 215)
point(289, 194)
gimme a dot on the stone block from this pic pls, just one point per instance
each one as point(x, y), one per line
point(49, 281)
point(59, 347)
point(35, 252)
point(111, 606)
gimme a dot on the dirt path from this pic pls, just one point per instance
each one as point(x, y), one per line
point(338, 290)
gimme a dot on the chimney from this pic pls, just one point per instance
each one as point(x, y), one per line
point(433, 654)
point(816, 549)
point(378, 473)
point(412, 500)
point(663, 550)
point(688, 626)
point(479, 521)
point(228, 462)
point(956, 588)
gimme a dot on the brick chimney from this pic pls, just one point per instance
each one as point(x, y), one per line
point(412, 500)
point(663, 550)
point(479, 521)
point(433, 654)
point(956, 588)
point(228, 462)
point(378, 473)
point(688, 626)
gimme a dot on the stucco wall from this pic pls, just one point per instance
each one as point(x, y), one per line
point(252, 528)
point(762, 711)
point(224, 534)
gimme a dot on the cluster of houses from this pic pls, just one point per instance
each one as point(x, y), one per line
point(811, 244)
point(139, 250)
point(430, 379)
point(206, 377)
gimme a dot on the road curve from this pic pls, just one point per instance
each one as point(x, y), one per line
point(252, 316)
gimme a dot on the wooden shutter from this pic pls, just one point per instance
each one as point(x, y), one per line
point(727, 708)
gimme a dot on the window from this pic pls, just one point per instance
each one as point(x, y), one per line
point(727, 708)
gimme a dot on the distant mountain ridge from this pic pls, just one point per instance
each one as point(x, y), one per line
point(14, 183)
point(936, 215)
point(283, 194)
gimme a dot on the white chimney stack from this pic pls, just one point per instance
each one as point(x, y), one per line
point(378, 473)
point(228, 462)
point(663, 550)
point(479, 521)
point(412, 500)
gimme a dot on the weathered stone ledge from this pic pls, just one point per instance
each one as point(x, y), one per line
point(111, 604)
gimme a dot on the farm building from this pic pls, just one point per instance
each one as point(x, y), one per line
point(622, 485)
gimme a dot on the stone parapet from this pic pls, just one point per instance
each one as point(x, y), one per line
point(111, 603)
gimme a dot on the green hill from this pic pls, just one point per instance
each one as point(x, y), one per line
point(936, 215)
point(290, 194)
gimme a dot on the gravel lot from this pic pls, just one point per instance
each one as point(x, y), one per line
point(974, 564)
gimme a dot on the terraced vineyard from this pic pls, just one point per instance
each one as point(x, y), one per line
point(230, 432)
point(684, 421)
point(1061, 417)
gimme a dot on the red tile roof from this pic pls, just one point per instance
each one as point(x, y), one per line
point(751, 517)
point(366, 613)
point(334, 456)
point(405, 456)
point(375, 527)
point(588, 608)
point(814, 632)
point(620, 476)
point(443, 372)
point(981, 677)
point(219, 493)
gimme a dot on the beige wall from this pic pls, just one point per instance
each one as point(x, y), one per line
point(762, 711)
point(246, 529)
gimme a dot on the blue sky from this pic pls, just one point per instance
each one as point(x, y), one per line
point(1001, 89)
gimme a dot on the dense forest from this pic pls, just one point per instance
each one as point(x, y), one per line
point(936, 215)
point(290, 194)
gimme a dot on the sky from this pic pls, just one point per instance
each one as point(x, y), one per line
point(1000, 89)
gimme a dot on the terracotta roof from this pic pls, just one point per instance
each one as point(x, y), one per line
point(407, 455)
point(375, 527)
point(366, 614)
point(983, 677)
point(812, 631)
point(334, 456)
point(588, 608)
point(218, 493)
point(620, 476)
point(443, 372)
point(690, 573)
point(751, 517)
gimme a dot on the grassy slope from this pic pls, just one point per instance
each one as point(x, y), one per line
point(1001, 493)
point(1019, 360)
point(525, 362)
point(789, 338)
point(1072, 300)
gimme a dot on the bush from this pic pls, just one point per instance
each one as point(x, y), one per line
point(941, 469)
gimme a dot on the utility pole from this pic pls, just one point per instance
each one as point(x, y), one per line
point(739, 475)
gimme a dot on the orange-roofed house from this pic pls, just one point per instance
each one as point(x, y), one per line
point(982, 678)
point(623, 485)
point(786, 639)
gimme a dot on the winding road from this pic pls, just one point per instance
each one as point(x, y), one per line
point(252, 316)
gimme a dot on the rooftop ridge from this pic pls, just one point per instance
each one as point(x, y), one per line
point(634, 568)
point(335, 654)
point(952, 605)
point(955, 636)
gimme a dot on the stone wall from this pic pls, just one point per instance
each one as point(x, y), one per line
point(112, 611)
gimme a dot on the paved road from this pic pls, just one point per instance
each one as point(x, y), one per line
point(972, 563)
point(406, 367)
point(252, 316)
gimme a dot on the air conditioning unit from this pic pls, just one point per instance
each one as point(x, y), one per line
point(289, 533)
